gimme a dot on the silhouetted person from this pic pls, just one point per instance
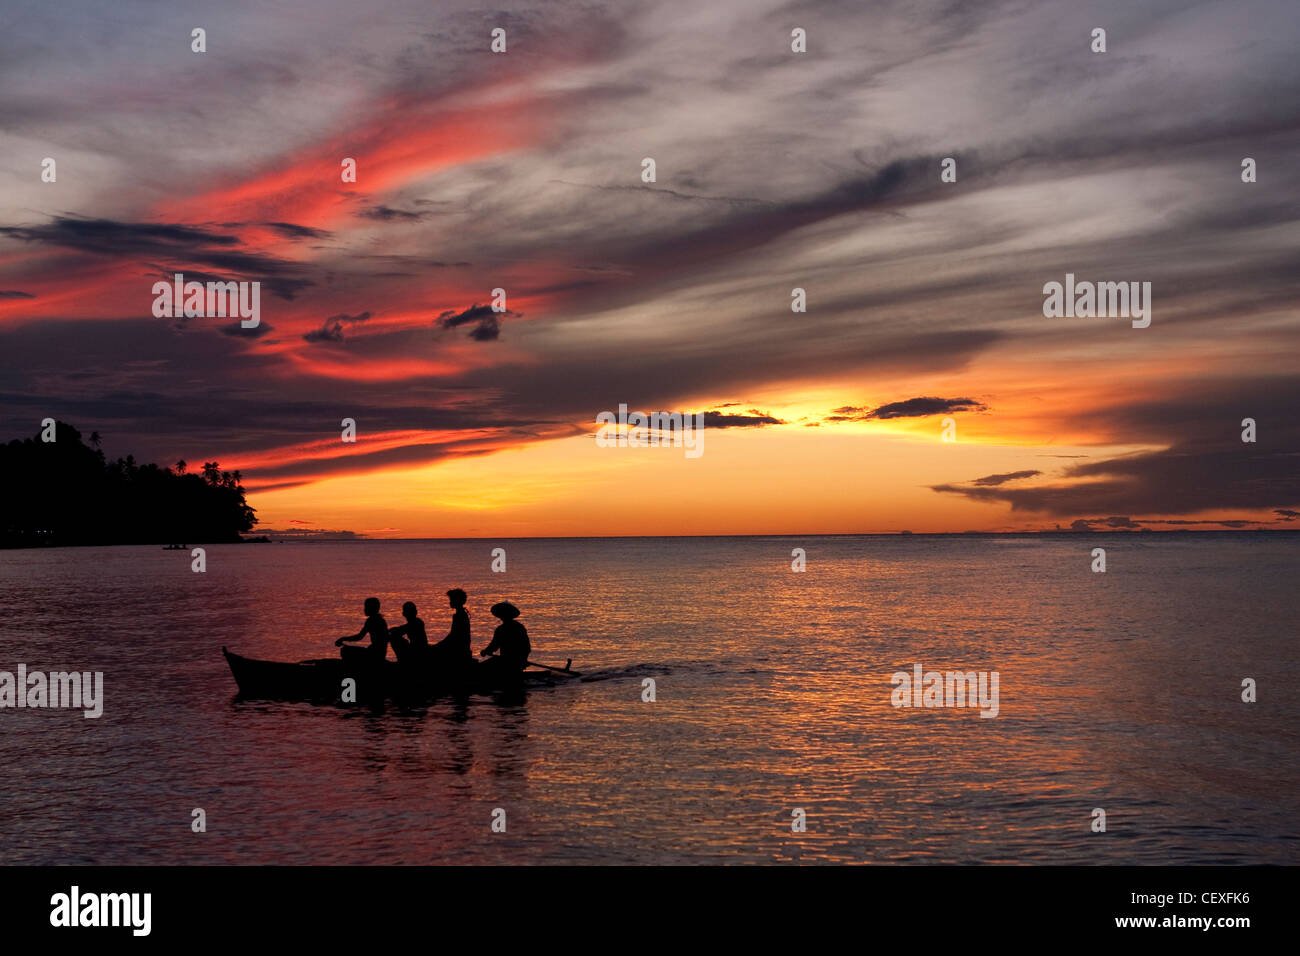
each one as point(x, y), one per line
point(510, 641)
point(376, 627)
point(454, 650)
point(410, 643)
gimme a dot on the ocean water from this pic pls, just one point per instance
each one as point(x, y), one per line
point(1119, 691)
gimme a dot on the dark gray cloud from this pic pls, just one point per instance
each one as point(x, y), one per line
point(178, 247)
point(389, 214)
point(1125, 523)
point(107, 237)
point(487, 330)
point(294, 231)
point(907, 408)
point(15, 294)
point(1182, 479)
point(237, 329)
point(755, 418)
point(1222, 522)
point(994, 480)
point(331, 329)
point(1204, 465)
point(486, 321)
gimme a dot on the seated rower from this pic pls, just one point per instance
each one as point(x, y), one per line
point(510, 641)
point(454, 650)
point(410, 643)
point(376, 627)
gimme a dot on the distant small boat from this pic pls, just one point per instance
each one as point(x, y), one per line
point(322, 679)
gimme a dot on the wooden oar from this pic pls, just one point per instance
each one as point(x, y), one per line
point(558, 670)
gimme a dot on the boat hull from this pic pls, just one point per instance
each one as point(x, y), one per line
point(323, 680)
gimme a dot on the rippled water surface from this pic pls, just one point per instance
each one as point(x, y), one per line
point(1118, 690)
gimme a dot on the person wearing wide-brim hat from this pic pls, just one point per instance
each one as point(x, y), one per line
point(509, 641)
point(505, 610)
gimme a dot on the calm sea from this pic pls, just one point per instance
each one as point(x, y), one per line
point(1119, 691)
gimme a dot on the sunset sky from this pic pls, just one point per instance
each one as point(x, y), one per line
point(775, 170)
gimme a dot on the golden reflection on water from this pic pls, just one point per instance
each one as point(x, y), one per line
point(772, 694)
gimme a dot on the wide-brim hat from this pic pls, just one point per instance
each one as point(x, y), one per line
point(505, 610)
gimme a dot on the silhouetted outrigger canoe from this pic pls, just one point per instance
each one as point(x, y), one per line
point(322, 680)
